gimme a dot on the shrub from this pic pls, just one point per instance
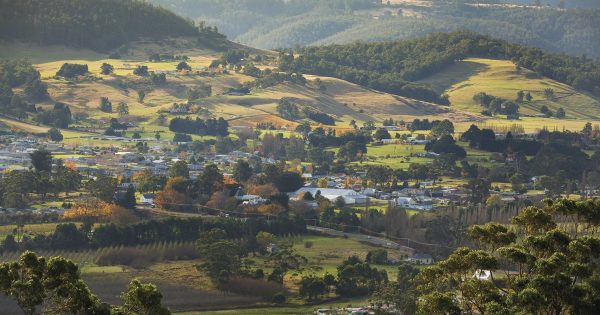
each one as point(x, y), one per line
point(308, 244)
point(377, 256)
point(128, 256)
point(141, 71)
point(181, 252)
point(182, 137)
point(279, 298)
point(254, 287)
point(71, 70)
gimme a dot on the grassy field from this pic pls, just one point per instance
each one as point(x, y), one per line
point(42, 228)
point(395, 156)
point(528, 124)
point(500, 78)
point(328, 252)
point(285, 310)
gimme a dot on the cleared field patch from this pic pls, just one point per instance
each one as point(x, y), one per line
point(329, 252)
point(500, 78)
point(395, 156)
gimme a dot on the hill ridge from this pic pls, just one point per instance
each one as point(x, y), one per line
point(100, 25)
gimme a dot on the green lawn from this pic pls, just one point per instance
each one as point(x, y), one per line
point(395, 156)
point(329, 252)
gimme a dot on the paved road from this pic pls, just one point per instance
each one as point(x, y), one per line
point(362, 238)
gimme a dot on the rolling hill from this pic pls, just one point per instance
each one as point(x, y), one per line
point(501, 78)
point(343, 100)
point(361, 82)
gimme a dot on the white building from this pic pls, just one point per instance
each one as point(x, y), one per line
point(481, 274)
point(147, 199)
point(350, 196)
point(421, 259)
point(417, 202)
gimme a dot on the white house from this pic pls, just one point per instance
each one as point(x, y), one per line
point(252, 200)
point(417, 202)
point(350, 196)
point(272, 248)
point(248, 200)
point(482, 274)
point(421, 259)
point(147, 199)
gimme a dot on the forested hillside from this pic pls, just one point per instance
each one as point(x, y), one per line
point(279, 23)
point(391, 66)
point(567, 3)
point(97, 24)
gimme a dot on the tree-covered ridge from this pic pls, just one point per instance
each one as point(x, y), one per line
point(95, 24)
point(281, 23)
point(391, 66)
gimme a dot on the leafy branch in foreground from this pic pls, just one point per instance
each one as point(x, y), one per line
point(55, 285)
point(539, 268)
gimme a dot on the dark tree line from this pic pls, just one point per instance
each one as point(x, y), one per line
point(394, 66)
point(59, 116)
point(485, 139)
point(209, 127)
point(71, 70)
point(70, 237)
point(495, 105)
point(268, 78)
point(320, 138)
point(319, 117)
point(553, 153)
point(446, 144)
point(97, 24)
point(424, 124)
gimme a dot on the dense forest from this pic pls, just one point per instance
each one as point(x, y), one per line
point(279, 23)
point(96, 24)
point(391, 66)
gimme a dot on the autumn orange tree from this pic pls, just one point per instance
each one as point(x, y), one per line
point(171, 198)
point(99, 211)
